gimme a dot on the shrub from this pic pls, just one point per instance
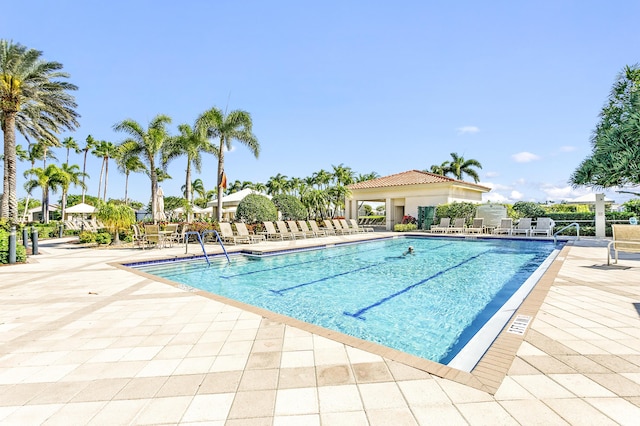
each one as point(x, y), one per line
point(455, 209)
point(21, 252)
point(404, 227)
point(87, 237)
point(256, 208)
point(528, 209)
point(103, 238)
point(290, 207)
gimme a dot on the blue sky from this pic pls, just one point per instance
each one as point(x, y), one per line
point(373, 85)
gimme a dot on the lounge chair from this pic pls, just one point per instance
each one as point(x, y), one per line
point(286, 232)
point(506, 225)
point(523, 227)
point(139, 238)
point(544, 226)
point(443, 226)
point(244, 232)
point(326, 231)
point(329, 225)
point(293, 226)
point(227, 236)
point(270, 232)
point(337, 227)
point(354, 225)
point(626, 238)
point(302, 224)
point(477, 227)
point(457, 227)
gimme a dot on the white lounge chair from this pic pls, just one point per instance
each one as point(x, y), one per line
point(477, 227)
point(523, 227)
point(293, 226)
point(506, 226)
point(286, 232)
point(354, 225)
point(270, 232)
point(326, 231)
point(458, 226)
point(625, 238)
point(244, 232)
point(336, 230)
point(227, 235)
point(443, 226)
point(544, 226)
point(316, 233)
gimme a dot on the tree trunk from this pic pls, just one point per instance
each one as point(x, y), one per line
point(126, 188)
point(84, 169)
point(188, 191)
point(220, 168)
point(9, 207)
point(106, 177)
point(100, 181)
point(154, 188)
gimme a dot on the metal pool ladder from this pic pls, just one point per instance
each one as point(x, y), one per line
point(577, 225)
point(200, 240)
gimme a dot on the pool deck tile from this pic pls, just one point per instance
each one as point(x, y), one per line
point(84, 338)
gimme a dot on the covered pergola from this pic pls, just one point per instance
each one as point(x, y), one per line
point(404, 192)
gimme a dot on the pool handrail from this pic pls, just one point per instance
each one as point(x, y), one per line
point(213, 231)
point(576, 224)
point(186, 244)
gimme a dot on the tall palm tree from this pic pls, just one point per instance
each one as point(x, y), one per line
point(367, 176)
point(343, 175)
point(277, 184)
point(236, 125)
point(104, 150)
point(44, 145)
point(36, 102)
point(89, 145)
point(197, 186)
point(321, 178)
point(442, 169)
point(128, 163)
point(259, 187)
point(68, 175)
point(69, 144)
point(48, 179)
point(149, 143)
point(192, 142)
point(458, 166)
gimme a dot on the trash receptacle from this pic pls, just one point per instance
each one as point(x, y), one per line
point(426, 215)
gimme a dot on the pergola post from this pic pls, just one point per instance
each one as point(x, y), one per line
point(600, 217)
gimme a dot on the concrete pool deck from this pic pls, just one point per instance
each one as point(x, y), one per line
point(85, 342)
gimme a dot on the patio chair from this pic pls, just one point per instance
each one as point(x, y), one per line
point(302, 224)
point(345, 225)
point(443, 226)
point(544, 226)
point(336, 228)
point(286, 232)
point(293, 226)
point(354, 225)
point(152, 235)
point(506, 225)
point(326, 231)
point(458, 226)
point(337, 223)
point(626, 238)
point(171, 234)
point(244, 232)
point(523, 227)
point(139, 237)
point(270, 232)
point(227, 235)
point(477, 227)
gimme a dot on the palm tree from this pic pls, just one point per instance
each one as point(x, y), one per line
point(197, 186)
point(276, 184)
point(44, 145)
point(48, 179)
point(70, 144)
point(128, 163)
point(259, 187)
point(191, 142)
point(36, 102)
point(343, 175)
point(234, 126)
point(104, 150)
point(321, 179)
point(89, 145)
point(68, 175)
point(148, 143)
point(367, 176)
point(442, 169)
point(458, 166)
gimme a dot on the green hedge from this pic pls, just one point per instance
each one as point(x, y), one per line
point(21, 252)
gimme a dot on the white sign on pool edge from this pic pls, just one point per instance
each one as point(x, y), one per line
point(519, 325)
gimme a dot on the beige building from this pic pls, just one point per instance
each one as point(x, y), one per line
point(404, 192)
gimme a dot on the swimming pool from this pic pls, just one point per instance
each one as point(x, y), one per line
point(429, 304)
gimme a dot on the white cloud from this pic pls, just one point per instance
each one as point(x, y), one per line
point(567, 148)
point(516, 195)
point(492, 174)
point(525, 157)
point(468, 130)
point(495, 186)
point(494, 197)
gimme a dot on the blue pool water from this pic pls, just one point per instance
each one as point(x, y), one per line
point(429, 304)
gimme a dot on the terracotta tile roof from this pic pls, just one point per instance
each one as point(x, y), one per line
point(410, 177)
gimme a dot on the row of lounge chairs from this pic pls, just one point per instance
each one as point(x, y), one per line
point(289, 230)
point(544, 226)
point(90, 225)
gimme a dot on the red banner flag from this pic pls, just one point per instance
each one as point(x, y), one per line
point(223, 180)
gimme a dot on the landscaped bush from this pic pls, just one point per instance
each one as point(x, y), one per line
point(528, 209)
point(290, 207)
point(404, 227)
point(87, 237)
point(256, 208)
point(21, 252)
point(455, 209)
point(103, 238)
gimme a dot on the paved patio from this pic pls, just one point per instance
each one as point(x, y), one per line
point(85, 342)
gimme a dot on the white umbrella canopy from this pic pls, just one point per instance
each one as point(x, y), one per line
point(81, 208)
point(160, 206)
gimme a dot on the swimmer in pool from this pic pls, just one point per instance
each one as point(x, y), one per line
point(409, 251)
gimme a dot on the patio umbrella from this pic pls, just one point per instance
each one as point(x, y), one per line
point(160, 206)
